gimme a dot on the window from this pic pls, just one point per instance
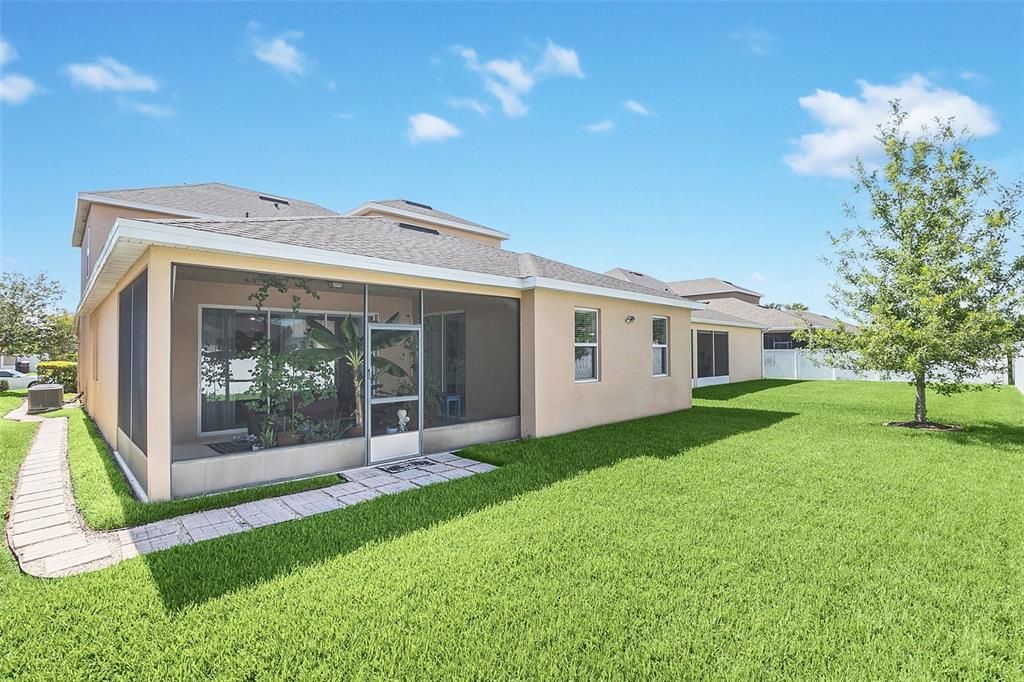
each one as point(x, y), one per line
point(586, 341)
point(5, 374)
point(659, 345)
point(712, 354)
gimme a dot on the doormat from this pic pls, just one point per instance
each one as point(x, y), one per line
point(405, 466)
point(229, 447)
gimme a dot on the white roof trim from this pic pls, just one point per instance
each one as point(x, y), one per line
point(129, 238)
point(413, 215)
point(698, 319)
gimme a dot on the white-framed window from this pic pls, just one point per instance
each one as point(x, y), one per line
point(585, 323)
point(659, 346)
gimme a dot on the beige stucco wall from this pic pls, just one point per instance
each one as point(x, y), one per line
point(744, 350)
point(626, 388)
point(443, 229)
point(98, 224)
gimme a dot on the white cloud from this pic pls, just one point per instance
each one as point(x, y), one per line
point(559, 61)
point(430, 128)
point(7, 53)
point(850, 123)
point(600, 127)
point(755, 40)
point(510, 80)
point(147, 109)
point(973, 76)
point(636, 107)
point(15, 88)
point(106, 73)
point(468, 103)
point(758, 277)
point(279, 51)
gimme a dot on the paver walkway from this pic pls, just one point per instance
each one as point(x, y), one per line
point(48, 536)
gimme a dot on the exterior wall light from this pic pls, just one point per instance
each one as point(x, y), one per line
point(630, 319)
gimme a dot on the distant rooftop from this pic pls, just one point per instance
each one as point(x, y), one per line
point(692, 288)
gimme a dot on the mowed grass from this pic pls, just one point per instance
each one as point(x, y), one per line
point(776, 530)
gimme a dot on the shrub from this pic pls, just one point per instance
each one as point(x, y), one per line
point(60, 372)
point(4, 386)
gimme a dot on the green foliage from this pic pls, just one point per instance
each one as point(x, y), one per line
point(60, 339)
point(4, 386)
point(27, 306)
point(928, 279)
point(786, 306)
point(60, 372)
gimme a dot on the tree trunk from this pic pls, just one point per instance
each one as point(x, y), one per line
point(1010, 378)
point(920, 409)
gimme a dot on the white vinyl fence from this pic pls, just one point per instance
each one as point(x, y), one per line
point(802, 364)
point(1018, 372)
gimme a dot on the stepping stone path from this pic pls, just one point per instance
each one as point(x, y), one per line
point(49, 538)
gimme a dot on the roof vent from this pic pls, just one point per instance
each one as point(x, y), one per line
point(416, 203)
point(638, 274)
point(418, 228)
point(274, 200)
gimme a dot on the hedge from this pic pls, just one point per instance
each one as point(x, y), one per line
point(60, 372)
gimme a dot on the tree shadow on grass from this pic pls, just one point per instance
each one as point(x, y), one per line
point(989, 434)
point(742, 388)
point(192, 574)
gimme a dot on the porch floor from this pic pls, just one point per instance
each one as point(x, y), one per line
point(46, 532)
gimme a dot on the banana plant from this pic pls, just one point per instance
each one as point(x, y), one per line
point(347, 345)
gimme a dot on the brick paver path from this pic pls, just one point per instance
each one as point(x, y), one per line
point(46, 532)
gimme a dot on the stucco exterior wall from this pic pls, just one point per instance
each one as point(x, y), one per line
point(744, 350)
point(98, 225)
point(625, 389)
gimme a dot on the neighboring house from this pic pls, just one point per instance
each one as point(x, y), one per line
point(19, 363)
point(725, 348)
point(467, 342)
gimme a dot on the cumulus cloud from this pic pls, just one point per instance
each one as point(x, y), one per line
point(559, 61)
point(600, 127)
point(430, 128)
point(510, 80)
point(468, 103)
point(106, 73)
point(755, 40)
point(850, 123)
point(636, 107)
point(147, 109)
point(15, 88)
point(7, 53)
point(279, 51)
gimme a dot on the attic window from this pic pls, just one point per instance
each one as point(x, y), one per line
point(274, 200)
point(417, 228)
point(414, 203)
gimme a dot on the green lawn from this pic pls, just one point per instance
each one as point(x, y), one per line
point(776, 530)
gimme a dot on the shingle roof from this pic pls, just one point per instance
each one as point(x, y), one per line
point(216, 199)
point(384, 238)
point(775, 319)
point(424, 209)
point(711, 315)
point(640, 278)
point(708, 285)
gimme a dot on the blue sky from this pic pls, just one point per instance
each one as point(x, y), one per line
point(681, 140)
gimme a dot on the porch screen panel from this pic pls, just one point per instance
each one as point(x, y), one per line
point(131, 361)
point(705, 355)
point(721, 354)
point(470, 358)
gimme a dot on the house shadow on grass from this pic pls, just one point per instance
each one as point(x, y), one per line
point(742, 388)
point(192, 574)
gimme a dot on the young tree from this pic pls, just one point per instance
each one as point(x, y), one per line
point(26, 306)
point(59, 340)
point(929, 280)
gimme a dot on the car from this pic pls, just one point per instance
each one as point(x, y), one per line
point(16, 379)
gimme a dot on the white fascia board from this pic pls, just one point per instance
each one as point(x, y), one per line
point(562, 285)
point(413, 215)
point(139, 232)
point(703, 320)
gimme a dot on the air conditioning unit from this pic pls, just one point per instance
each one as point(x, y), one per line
point(45, 397)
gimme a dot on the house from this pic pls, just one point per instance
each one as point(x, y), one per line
point(230, 337)
point(730, 299)
point(724, 348)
